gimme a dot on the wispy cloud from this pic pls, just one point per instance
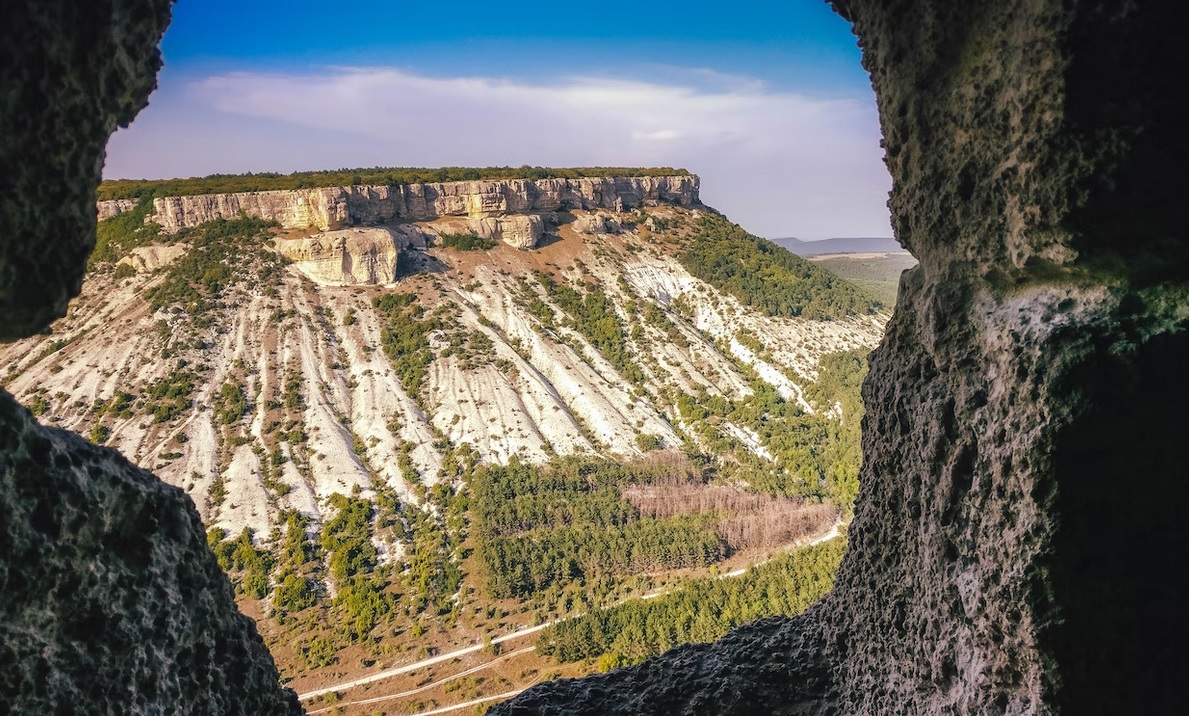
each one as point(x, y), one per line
point(778, 162)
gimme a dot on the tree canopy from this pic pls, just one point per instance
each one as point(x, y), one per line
point(371, 176)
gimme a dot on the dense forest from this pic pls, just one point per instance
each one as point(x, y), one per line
point(699, 611)
point(371, 176)
point(537, 526)
point(768, 277)
point(580, 519)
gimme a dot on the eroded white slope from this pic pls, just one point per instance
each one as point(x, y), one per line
point(327, 412)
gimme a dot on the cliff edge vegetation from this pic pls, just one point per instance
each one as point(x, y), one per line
point(374, 176)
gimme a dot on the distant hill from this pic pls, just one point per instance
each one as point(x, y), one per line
point(839, 246)
point(878, 274)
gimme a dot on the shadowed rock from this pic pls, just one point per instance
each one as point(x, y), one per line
point(1018, 536)
point(110, 600)
point(1018, 527)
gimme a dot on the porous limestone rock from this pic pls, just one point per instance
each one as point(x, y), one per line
point(73, 71)
point(350, 257)
point(522, 231)
point(151, 258)
point(1020, 521)
point(113, 602)
point(337, 207)
point(110, 600)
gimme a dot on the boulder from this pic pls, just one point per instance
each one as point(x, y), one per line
point(146, 259)
point(522, 231)
point(349, 257)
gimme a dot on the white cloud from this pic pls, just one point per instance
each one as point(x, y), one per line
point(780, 163)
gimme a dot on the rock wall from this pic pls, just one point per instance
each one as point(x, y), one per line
point(110, 601)
point(338, 207)
point(349, 257)
point(521, 231)
point(1019, 520)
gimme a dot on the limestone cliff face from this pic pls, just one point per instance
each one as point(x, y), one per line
point(115, 207)
point(521, 231)
point(347, 257)
point(338, 207)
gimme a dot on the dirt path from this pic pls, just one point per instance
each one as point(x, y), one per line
point(428, 686)
point(388, 673)
point(834, 532)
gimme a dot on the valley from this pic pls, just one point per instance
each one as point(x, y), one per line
point(431, 432)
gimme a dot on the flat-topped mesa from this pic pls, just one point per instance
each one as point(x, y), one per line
point(338, 207)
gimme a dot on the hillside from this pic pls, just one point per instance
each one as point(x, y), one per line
point(410, 437)
point(877, 274)
point(843, 245)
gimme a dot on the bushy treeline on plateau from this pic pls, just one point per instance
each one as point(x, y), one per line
point(371, 176)
point(700, 611)
point(768, 277)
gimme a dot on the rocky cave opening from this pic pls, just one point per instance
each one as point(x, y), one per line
point(1017, 539)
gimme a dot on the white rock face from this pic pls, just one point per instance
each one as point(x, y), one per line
point(518, 383)
point(522, 231)
point(350, 257)
point(151, 258)
point(597, 224)
point(338, 207)
point(114, 207)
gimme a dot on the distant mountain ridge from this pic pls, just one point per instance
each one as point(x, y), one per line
point(840, 245)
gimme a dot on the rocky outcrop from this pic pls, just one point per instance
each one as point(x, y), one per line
point(349, 257)
point(115, 207)
point(110, 600)
point(597, 224)
point(1000, 560)
point(151, 258)
point(338, 207)
point(522, 231)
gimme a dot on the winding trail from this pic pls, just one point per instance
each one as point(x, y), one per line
point(834, 533)
point(431, 685)
point(389, 673)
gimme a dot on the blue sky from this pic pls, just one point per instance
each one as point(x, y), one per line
point(766, 101)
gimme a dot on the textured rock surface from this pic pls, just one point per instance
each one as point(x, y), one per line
point(597, 224)
point(1019, 517)
point(110, 601)
point(522, 231)
point(72, 72)
point(151, 258)
point(115, 207)
point(337, 207)
point(349, 257)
